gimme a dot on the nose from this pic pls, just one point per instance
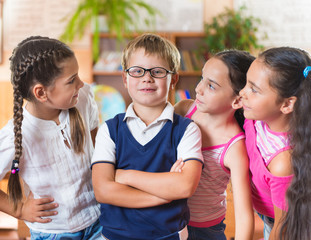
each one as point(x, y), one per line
point(147, 77)
point(80, 83)
point(198, 88)
point(242, 93)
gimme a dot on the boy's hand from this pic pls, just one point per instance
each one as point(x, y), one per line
point(32, 210)
point(177, 166)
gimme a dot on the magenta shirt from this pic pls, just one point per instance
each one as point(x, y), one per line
point(267, 189)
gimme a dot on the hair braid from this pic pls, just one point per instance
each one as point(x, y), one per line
point(37, 60)
point(14, 185)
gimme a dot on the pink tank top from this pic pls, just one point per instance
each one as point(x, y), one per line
point(208, 204)
point(267, 190)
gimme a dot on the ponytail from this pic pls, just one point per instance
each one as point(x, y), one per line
point(77, 130)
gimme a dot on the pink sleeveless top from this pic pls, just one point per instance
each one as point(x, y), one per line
point(208, 203)
point(267, 190)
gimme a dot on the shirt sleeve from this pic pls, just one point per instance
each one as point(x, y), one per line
point(279, 186)
point(190, 145)
point(105, 148)
point(92, 108)
point(7, 149)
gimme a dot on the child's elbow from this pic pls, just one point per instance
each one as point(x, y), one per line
point(188, 190)
point(101, 194)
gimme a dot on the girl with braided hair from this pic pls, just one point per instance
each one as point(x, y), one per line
point(49, 143)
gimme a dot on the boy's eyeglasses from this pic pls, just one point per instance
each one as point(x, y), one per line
point(156, 72)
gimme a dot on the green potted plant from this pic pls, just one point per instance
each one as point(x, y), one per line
point(122, 16)
point(230, 29)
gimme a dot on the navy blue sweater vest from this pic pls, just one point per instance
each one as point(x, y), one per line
point(158, 155)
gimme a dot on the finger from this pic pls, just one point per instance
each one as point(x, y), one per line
point(43, 220)
point(44, 200)
point(48, 213)
point(47, 207)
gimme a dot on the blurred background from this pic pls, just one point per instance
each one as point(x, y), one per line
point(97, 30)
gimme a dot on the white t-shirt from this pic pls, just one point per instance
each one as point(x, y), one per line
point(188, 147)
point(49, 168)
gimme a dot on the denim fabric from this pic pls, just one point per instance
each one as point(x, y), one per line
point(216, 232)
point(92, 232)
point(268, 225)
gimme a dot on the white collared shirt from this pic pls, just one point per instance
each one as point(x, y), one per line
point(188, 147)
point(49, 168)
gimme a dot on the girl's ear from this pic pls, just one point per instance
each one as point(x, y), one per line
point(237, 102)
point(39, 92)
point(288, 105)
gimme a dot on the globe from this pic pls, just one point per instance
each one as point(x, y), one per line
point(109, 101)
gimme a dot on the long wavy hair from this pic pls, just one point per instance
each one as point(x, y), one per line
point(37, 60)
point(238, 63)
point(288, 79)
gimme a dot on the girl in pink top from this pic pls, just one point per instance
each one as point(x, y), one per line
point(216, 110)
point(276, 100)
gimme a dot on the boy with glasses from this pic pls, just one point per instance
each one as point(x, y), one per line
point(143, 194)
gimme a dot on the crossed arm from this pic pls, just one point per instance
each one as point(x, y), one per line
point(138, 189)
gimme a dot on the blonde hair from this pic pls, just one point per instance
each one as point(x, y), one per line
point(153, 44)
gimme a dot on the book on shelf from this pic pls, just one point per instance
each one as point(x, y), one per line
point(109, 61)
point(190, 61)
point(181, 94)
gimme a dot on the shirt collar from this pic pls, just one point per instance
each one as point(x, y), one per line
point(167, 114)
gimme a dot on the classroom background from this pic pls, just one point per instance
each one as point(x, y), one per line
point(281, 23)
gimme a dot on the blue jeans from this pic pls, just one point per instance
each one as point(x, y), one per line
point(92, 232)
point(216, 232)
point(268, 225)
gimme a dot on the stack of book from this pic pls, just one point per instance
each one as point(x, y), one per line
point(190, 61)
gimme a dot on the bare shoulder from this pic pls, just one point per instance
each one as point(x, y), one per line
point(236, 156)
point(280, 165)
point(182, 106)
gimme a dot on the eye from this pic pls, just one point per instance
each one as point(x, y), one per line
point(158, 71)
point(210, 86)
point(136, 71)
point(72, 80)
point(253, 90)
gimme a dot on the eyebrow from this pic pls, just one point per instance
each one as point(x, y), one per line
point(254, 84)
point(73, 76)
point(212, 81)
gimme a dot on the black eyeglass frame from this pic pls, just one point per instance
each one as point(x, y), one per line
point(148, 70)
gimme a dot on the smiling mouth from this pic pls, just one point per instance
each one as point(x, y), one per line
point(147, 90)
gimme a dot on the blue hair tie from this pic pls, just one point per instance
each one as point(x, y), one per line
point(306, 71)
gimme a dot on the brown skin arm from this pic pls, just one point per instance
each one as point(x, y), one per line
point(182, 106)
point(279, 166)
point(30, 209)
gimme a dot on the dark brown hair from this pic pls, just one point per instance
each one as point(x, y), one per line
point(238, 63)
point(287, 65)
point(37, 60)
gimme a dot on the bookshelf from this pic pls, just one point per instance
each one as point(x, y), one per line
point(107, 69)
